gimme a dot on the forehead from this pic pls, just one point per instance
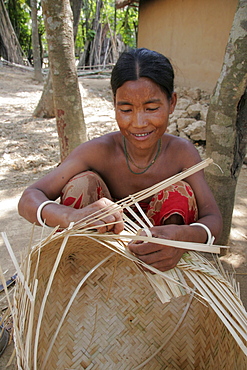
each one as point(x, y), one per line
point(143, 88)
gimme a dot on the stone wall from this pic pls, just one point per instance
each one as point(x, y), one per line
point(189, 118)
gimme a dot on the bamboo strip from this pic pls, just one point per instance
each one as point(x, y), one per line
point(142, 195)
point(199, 247)
point(186, 309)
point(19, 273)
point(61, 250)
point(215, 304)
point(228, 311)
point(146, 219)
point(69, 305)
point(11, 309)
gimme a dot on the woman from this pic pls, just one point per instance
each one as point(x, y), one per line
point(136, 157)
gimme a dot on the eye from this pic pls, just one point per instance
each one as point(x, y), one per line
point(152, 109)
point(125, 110)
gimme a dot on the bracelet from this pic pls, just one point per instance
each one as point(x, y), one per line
point(210, 237)
point(39, 210)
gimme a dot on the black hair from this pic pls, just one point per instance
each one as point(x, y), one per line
point(142, 62)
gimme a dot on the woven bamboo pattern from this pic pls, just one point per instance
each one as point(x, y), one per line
point(82, 301)
point(116, 320)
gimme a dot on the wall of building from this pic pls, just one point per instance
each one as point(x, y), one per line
point(193, 34)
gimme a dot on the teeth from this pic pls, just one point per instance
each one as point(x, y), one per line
point(139, 135)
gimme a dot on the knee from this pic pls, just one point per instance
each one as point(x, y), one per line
point(83, 189)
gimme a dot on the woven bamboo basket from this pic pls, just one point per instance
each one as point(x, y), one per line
point(116, 320)
point(82, 301)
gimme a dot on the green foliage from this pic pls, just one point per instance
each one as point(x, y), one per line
point(85, 31)
point(19, 14)
point(121, 22)
point(127, 22)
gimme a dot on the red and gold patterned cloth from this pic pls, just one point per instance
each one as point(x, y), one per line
point(87, 187)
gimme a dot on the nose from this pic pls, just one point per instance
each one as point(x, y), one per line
point(139, 120)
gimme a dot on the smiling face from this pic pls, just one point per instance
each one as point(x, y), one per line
point(142, 111)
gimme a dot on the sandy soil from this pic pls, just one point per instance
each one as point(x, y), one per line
point(29, 149)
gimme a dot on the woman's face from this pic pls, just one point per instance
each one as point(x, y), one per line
point(142, 111)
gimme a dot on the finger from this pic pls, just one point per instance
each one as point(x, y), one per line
point(112, 223)
point(116, 218)
point(97, 225)
point(103, 229)
point(116, 221)
point(119, 223)
point(169, 263)
point(119, 227)
point(165, 265)
point(142, 249)
point(105, 226)
point(152, 258)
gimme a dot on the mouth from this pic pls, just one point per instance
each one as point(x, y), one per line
point(142, 135)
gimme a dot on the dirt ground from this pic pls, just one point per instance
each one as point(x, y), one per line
point(29, 149)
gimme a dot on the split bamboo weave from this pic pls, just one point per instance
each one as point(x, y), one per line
point(82, 301)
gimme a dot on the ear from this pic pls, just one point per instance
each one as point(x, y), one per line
point(173, 102)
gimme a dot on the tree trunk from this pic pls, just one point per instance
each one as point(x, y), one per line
point(10, 48)
point(94, 58)
point(45, 107)
point(76, 6)
point(66, 93)
point(92, 49)
point(227, 120)
point(35, 43)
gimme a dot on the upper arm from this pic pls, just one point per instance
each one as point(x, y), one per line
point(80, 159)
point(206, 203)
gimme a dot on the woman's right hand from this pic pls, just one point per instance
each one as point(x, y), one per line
point(115, 219)
point(52, 212)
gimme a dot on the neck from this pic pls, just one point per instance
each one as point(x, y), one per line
point(139, 154)
point(132, 163)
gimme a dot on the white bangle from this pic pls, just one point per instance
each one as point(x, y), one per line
point(210, 237)
point(39, 210)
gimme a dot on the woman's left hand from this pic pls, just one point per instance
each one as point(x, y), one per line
point(161, 257)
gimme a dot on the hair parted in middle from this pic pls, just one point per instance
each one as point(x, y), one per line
point(143, 62)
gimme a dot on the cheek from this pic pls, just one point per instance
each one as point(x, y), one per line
point(122, 120)
point(161, 119)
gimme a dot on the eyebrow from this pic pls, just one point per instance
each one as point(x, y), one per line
point(152, 101)
point(123, 103)
point(147, 102)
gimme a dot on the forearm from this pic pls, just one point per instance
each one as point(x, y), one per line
point(53, 214)
point(197, 234)
point(213, 223)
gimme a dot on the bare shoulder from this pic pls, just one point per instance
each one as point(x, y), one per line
point(88, 153)
point(182, 149)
